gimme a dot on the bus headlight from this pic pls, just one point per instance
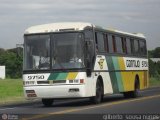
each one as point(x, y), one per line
point(29, 82)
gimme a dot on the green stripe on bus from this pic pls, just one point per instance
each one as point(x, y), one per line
point(115, 63)
point(118, 74)
point(112, 74)
point(62, 76)
point(58, 76)
point(53, 76)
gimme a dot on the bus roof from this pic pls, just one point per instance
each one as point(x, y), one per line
point(64, 26)
point(55, 27)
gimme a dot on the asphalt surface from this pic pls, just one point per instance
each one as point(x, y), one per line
point(147, 106)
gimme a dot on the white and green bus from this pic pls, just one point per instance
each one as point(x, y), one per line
point(80, 60)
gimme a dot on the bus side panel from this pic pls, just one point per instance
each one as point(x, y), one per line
point(143, 78)
point(121, 72)
point(100, 68)
point(123, 77)
point(128, 81)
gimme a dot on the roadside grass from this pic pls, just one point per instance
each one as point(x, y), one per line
point(11, 90)
point(154, 81)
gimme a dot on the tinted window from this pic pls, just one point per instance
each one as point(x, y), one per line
point(132, 46)
point(106, 43)
point(142, 45)
point(124, 47)
point(110, 43)
point(37, 52)
point(100, 42)
point(114, 43)
point(136, 47)
point(128, 45)
point(118, 45)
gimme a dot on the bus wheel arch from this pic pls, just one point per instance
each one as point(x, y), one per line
point(99, 91)
point(137, 83)
point(101, 81)
point(136, 92)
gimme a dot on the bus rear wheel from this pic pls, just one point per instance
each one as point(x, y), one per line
point(135, 93)
point(99, 93)
point(47, 102)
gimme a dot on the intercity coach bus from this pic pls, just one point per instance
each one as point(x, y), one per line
point(82, 60)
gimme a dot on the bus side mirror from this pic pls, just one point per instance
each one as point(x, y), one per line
point(88, 58)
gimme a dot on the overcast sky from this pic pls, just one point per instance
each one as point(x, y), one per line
point(142, 16)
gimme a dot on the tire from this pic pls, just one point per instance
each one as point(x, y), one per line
point(99, 93)
point(135, 93)
point(47, 102)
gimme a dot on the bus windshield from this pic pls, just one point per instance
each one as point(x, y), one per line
point(66, 51)
point(37, 52)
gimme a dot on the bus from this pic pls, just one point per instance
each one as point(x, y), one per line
point(82, 60)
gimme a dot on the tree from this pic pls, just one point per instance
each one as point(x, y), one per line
point(13, 63)
point(152, 69)
point(156, 53)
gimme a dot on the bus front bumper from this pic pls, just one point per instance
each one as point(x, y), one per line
point(59, 91)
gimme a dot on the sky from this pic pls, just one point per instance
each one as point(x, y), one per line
point(135, 16)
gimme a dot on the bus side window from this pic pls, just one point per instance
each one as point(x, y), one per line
point(106, 43)
point(124, 47)
point(118, 44)
point(136, 47)
point(142, 46)
point(114, 44)
point(128, 46)
point(110, 44)
point(100, 42)
point(132, 46)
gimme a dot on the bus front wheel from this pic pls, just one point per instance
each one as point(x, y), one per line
point(99, 93)
point(47, 102)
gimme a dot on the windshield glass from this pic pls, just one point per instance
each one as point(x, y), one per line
point(37, 52)
point(67, 51)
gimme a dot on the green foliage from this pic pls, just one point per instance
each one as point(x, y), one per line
point(13, 63)
point(154, 81)
point(154, 53)
point(154, 68)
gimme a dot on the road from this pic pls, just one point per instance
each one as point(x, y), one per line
point(147, 103)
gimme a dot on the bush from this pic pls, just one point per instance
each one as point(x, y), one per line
point(13, 63)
